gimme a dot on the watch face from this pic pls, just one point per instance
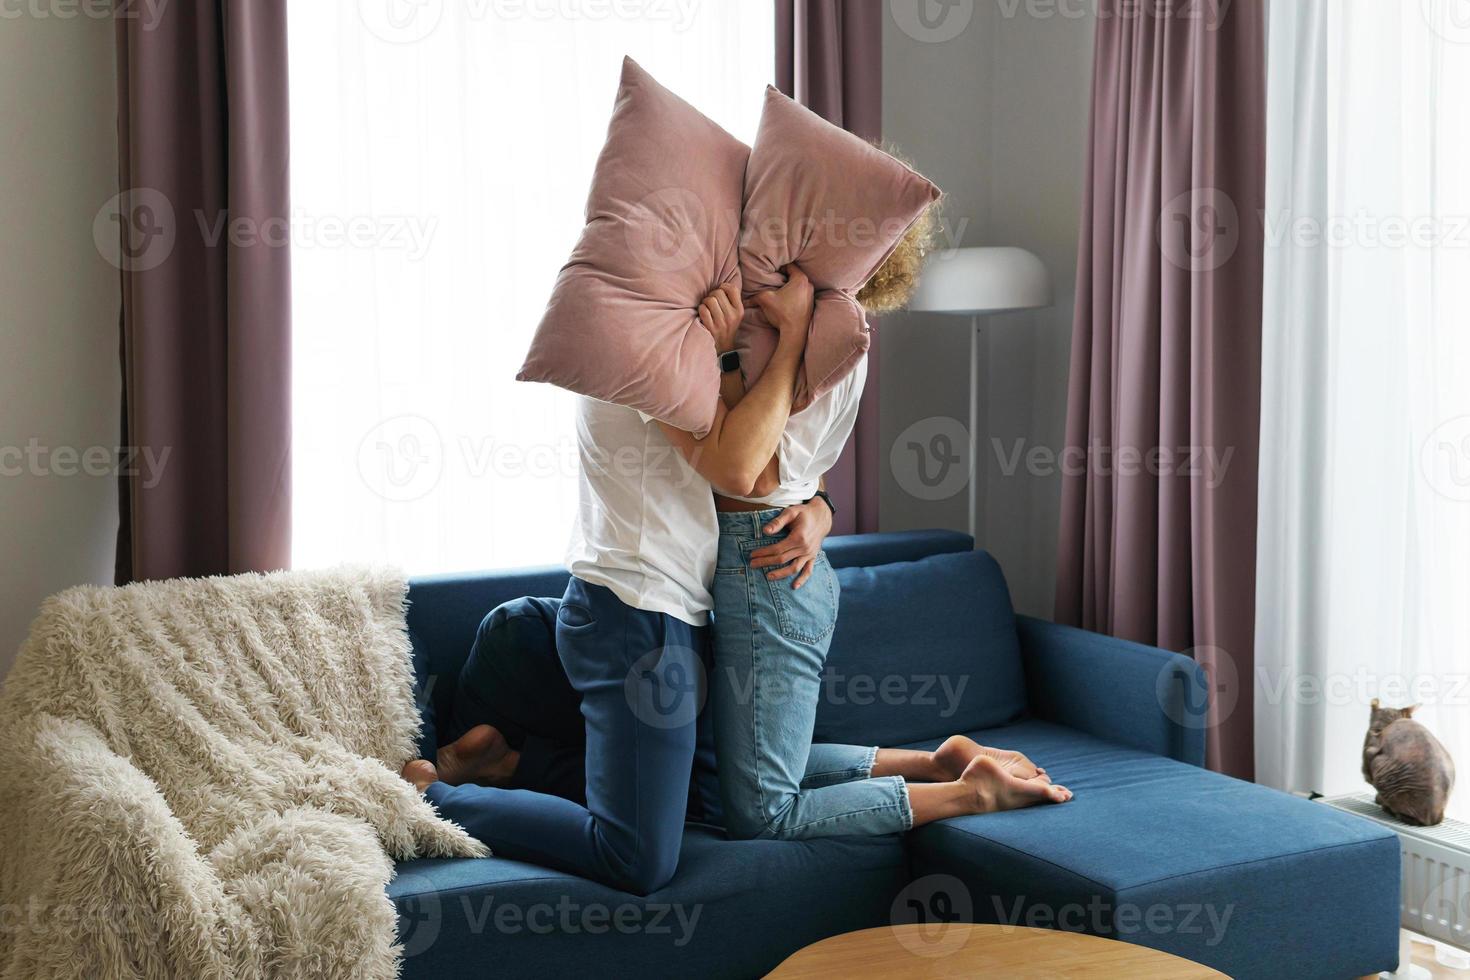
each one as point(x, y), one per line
point(730, 361)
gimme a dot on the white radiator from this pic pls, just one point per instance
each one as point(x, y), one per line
point(1435, 898)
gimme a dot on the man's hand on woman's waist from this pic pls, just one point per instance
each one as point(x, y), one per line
point(807, 526)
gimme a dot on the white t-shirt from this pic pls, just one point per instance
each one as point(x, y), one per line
point(814, 439)
point(645, 519)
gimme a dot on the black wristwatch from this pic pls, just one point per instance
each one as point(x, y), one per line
point(826, 499)
point(729, 361)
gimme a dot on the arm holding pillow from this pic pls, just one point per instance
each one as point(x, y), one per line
point(743, 439)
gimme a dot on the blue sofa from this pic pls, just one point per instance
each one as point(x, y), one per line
point(1154, 849)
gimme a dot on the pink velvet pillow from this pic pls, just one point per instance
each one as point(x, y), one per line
point(662, 230)
point(835, 205)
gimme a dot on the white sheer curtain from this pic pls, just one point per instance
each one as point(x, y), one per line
point(441, 152)
point(1364, 543)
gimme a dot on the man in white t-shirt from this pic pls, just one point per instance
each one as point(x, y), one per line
point(631, 630)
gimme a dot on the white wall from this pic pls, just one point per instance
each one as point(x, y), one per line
point(59, 383)
point(997, 115)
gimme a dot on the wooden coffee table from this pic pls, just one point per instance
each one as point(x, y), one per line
point(967, 950)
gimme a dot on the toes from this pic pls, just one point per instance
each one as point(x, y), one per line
point(421, 773)
point(1058, 794)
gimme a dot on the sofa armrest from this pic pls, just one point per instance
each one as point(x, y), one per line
point(1128, 693)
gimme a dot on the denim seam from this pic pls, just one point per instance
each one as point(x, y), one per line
point(850, 775)
point(755, 720)
point(637, 755)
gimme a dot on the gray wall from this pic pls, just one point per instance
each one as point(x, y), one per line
point(997, 115)
point(58, 312)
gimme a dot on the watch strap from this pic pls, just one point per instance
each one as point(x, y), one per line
point(826, 499)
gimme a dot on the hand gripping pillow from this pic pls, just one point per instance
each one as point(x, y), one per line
point(662, 231)
point(835, 205)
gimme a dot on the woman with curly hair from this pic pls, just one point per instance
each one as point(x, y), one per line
point(776, 599)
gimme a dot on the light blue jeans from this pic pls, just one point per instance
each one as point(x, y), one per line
point(770, 643)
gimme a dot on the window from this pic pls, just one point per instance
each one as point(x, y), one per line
point(441, 154)
point(1365, 452)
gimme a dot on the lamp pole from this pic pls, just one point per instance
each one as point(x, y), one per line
point(976, 470)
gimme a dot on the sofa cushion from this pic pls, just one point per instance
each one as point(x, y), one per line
point(734, 909)
point(663, 222)
point(444, 611)
point(1227, 873)
point(922, 649)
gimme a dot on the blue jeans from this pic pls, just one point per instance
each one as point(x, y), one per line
point(640, 676)
point(770, 644)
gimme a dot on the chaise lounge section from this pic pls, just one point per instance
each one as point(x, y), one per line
point(1153, 849)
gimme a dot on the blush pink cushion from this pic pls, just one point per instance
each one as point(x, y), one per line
point(662, 231)
point(835, 205)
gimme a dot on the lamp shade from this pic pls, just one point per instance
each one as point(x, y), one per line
point(982, 280)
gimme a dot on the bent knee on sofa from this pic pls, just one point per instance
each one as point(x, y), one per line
point(747, 820)
point(643, 876)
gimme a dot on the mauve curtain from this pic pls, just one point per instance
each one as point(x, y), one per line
point(1158, 530)
point(206, 311)
point(829, 57)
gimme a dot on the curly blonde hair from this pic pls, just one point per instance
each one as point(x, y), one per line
point(894, 282)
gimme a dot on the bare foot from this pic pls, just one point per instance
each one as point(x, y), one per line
point(480, 755)
point(996, 789)
point(959, 750)
point(421, 773)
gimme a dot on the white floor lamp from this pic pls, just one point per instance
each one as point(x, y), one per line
point(976, 282)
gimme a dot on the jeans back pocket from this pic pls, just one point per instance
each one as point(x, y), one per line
point(807, 614)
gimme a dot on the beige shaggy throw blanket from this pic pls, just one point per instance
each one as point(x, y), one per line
point(198, 778)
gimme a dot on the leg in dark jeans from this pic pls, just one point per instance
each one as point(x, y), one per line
point(637, 673)
point(514, 681)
